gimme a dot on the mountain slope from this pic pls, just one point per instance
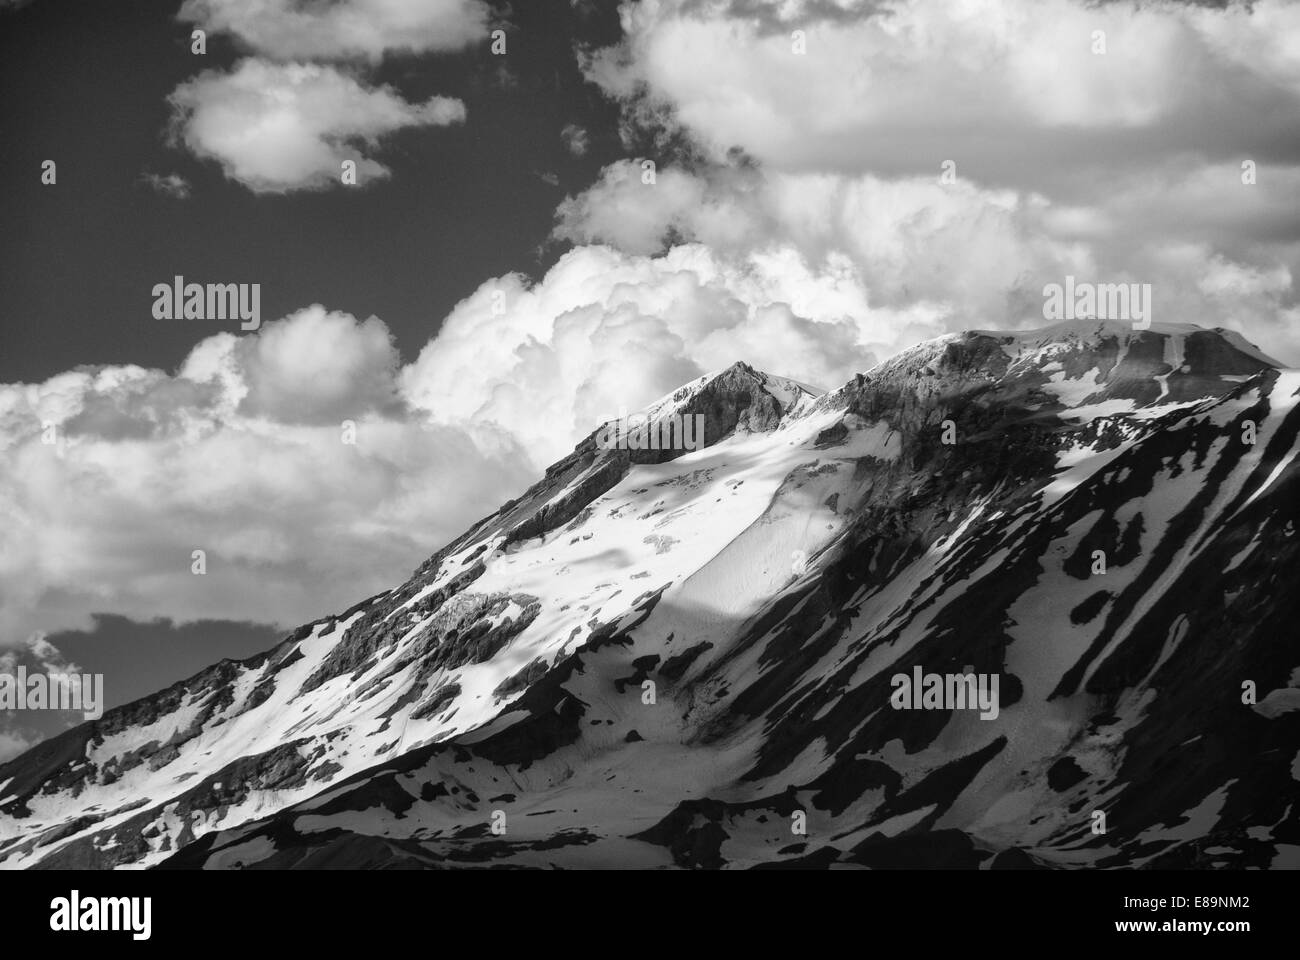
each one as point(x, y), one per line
point(660, 657)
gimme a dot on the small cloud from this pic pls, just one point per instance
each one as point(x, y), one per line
point(37, 654)
point(168, 184)
point(293, 30)
point(503, 79)
point(576, 139)
point(277, 127)
point(548, 177)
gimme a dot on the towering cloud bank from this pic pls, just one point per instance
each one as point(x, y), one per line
point(965, 156)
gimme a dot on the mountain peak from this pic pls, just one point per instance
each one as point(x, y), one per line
point(1099, 330)
point(1089, 367)
point(738, 397)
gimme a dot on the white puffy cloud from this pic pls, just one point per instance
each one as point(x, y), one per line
point(241, 454)
point(1012, 92)
point(318, 367)
point(605, 329)
point(912, 239)
point(282, 127)
point(342, 29)
point(976, 257)
point(636, 216)
point(1171, 158)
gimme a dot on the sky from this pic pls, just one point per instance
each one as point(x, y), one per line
point(87, 85)
point(621, 199)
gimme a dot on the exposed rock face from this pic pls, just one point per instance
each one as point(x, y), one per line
point(667, 657)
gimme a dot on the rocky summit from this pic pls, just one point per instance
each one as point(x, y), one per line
point(722, 657)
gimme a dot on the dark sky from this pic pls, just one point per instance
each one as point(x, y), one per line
point(85, 84)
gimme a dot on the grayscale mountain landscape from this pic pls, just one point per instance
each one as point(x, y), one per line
point(684, 657)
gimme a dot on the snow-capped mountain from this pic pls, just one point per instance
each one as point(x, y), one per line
point(660, 656)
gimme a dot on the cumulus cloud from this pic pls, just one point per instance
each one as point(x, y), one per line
point(282, 127)
point(976, 256)
point(575, 138)
point(115, 475)
point(963, 157)
point(973, 256)
point(169, 185)
point(342, 29)
point(605, 329)
point(1013, 93)
point(317, 367)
